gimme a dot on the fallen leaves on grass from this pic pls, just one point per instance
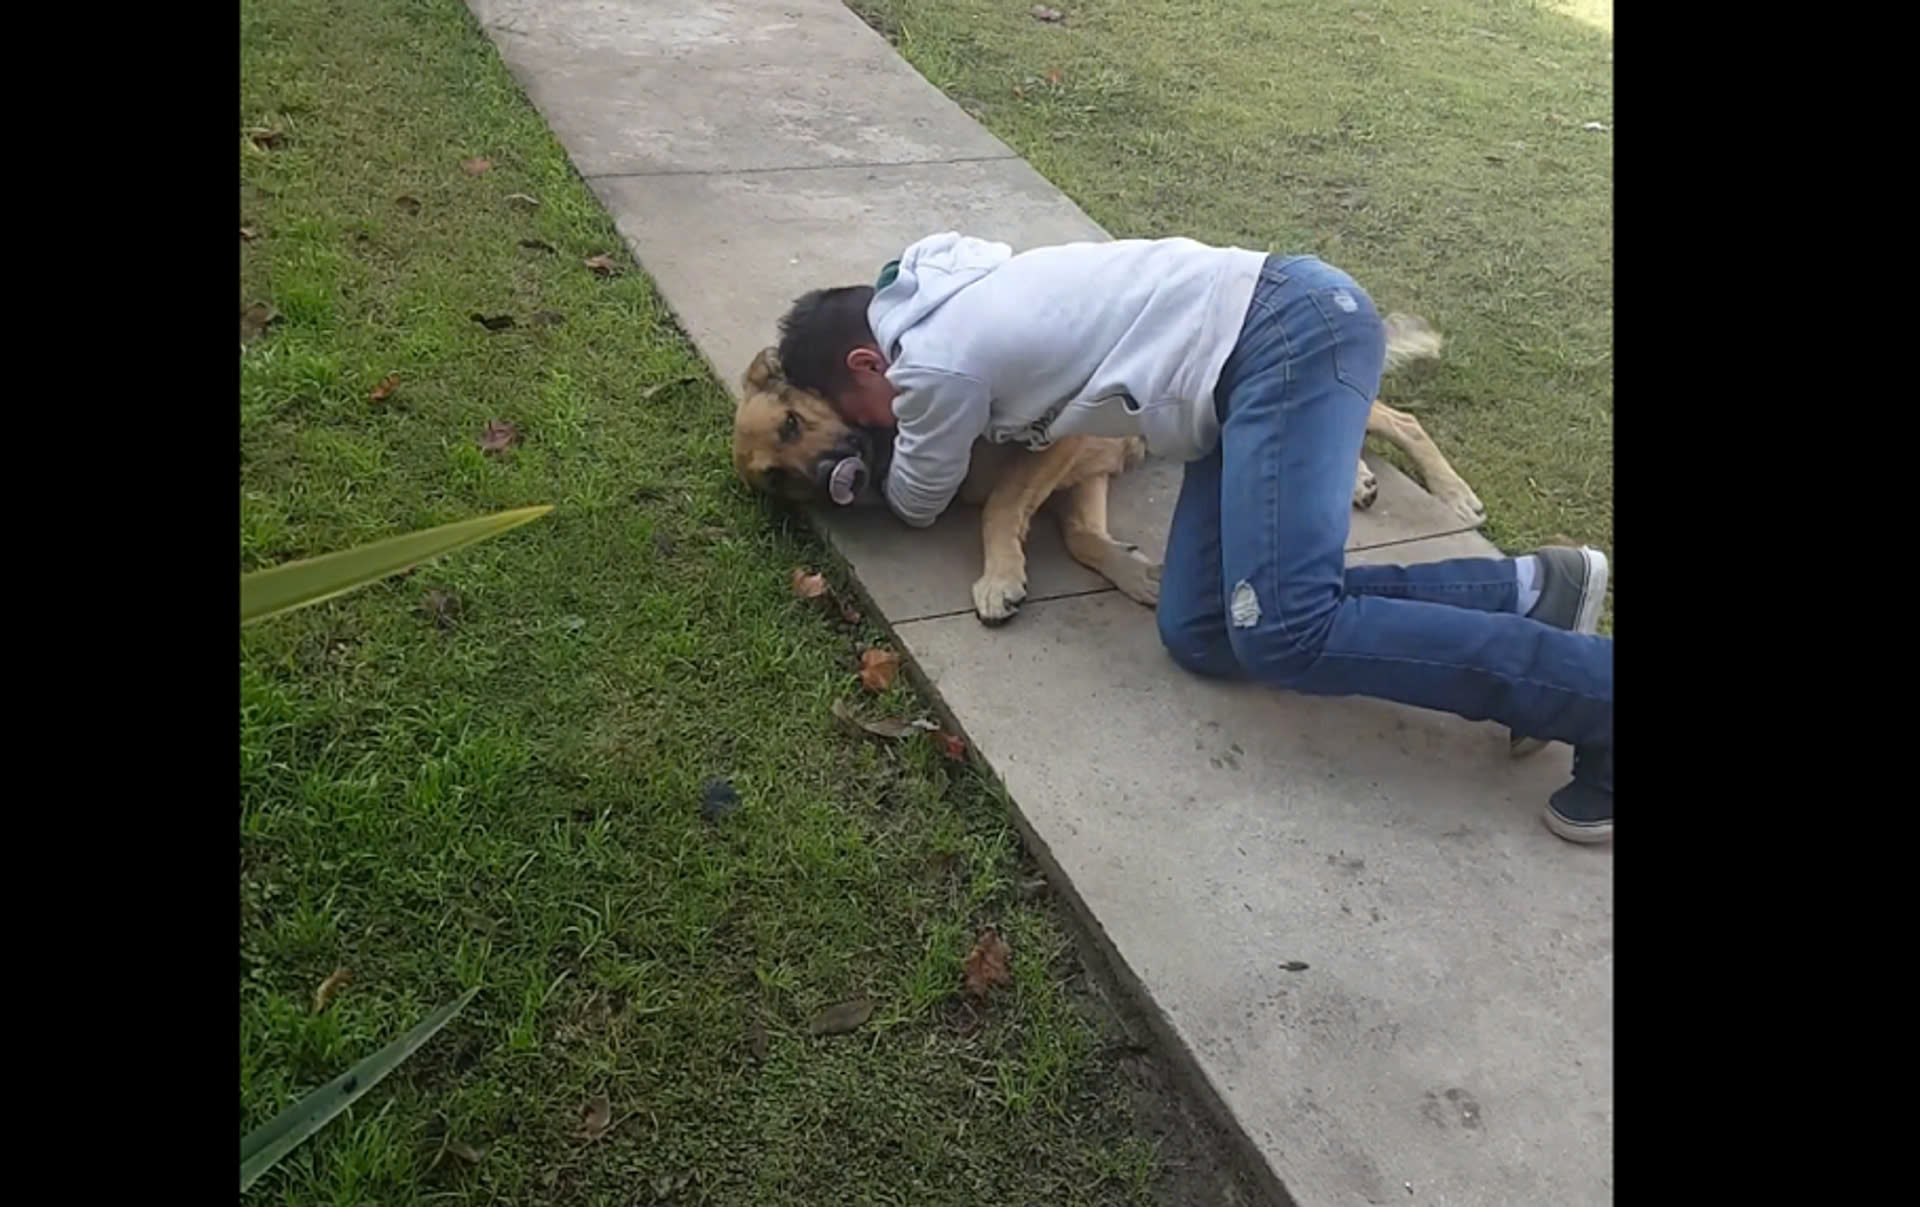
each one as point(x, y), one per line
point(540, 245)
point(442, 606)
point(951, 745)
point(1051, 16)
point(479, 165)
point(603, 265)
point(757, 1041)
point(387, 385)
point(658, 386)
point(492, 322)
point(878, 669)
point(498, 436)
point(666, 1185)
point(323, 993)
point(891, 728)
point(248, 234)
point(255, 319)
point(1053, 77)
point(808, 584)
point(267, 138)
point(598, 1117)
point(718, 800)
point(840, 1019)
point(986, 965)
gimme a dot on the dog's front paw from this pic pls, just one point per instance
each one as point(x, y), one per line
point(1464, 503)
point(1137, 577)
point(1366, 487)
point(995, 600)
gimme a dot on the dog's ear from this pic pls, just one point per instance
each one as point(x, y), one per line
point(764, 369)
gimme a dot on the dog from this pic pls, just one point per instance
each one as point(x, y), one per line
point(787, 441)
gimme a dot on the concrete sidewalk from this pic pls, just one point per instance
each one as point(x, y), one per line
point(1346, 915)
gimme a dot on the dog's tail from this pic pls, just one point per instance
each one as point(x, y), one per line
point(1410, 338)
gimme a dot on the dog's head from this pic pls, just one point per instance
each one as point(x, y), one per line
point(787, 441)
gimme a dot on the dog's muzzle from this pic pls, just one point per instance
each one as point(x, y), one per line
point(848, 478)
point(853, 473)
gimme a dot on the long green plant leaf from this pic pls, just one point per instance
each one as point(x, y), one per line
point(278, 589)
point(265, 1145)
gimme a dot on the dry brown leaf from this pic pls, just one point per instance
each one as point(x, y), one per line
point(387, 385)
point(952, 746)
point(892, 728)
point(878, 668)
point(255, 319)
point(498, 436)
point(840, 1019)
point(604, 265)
point(477, 166)
point(848, 612)
point(807, 584)
point(658, 386)
point(442, 606)
point(986, 965)
point(1053, 76)
point(266, 138)
point(599, 1116)
point(248, 234)
point(336, 980)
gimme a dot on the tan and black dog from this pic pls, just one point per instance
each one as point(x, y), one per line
point(786, 442)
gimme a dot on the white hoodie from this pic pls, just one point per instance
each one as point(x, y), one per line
point(1123, 338)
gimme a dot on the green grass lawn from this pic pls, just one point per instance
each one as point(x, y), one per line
point(1436, 149)
point(491, 772)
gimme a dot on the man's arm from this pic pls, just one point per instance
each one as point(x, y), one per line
point(938, 416)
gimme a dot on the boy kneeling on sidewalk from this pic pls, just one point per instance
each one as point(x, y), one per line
point(1258, 372)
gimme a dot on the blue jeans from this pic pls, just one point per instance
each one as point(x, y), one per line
point(1256, 583)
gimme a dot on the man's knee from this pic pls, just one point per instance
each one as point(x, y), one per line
point(1200, 648)
point(1278, 645)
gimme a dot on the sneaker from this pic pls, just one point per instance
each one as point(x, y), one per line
point(1574, 585)
point(1583, 810)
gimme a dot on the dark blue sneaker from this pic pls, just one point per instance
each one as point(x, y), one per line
point(1573, 587)
point(1583, 810)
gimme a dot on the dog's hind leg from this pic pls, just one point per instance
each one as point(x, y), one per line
point(1405, 433)
point(1366, 487)
point(1083, 520)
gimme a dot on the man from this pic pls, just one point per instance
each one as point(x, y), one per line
point(1258, 372)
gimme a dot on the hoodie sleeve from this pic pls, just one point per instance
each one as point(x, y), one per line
point(938, 416)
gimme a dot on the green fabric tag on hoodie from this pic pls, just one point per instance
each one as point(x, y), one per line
point(887, 275)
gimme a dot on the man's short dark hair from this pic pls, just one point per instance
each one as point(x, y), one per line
point(817, 334)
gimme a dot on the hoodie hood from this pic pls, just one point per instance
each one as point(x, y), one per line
point(923, 278)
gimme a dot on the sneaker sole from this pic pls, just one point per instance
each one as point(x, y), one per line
point(1586, 621)
point(1586, 833)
